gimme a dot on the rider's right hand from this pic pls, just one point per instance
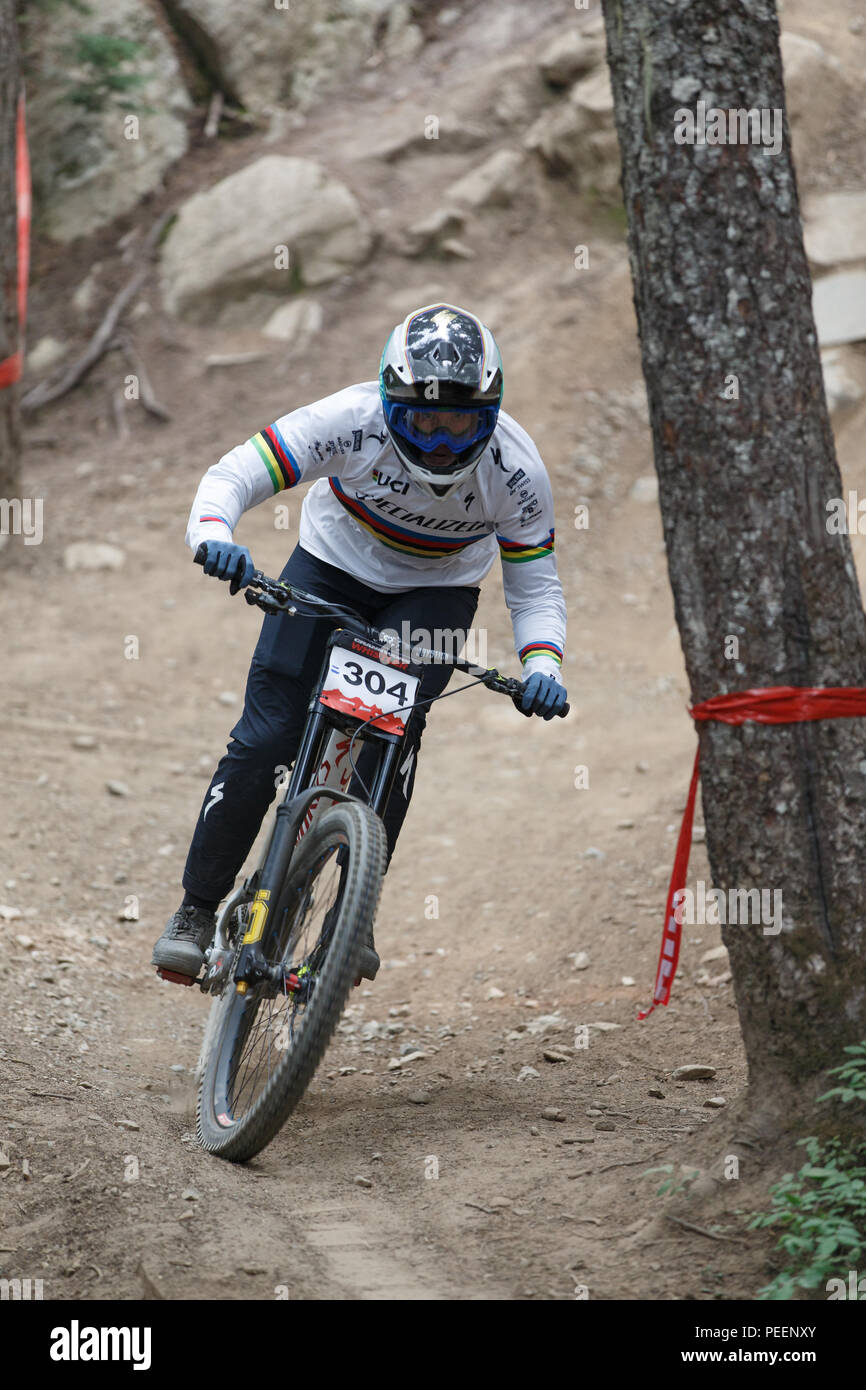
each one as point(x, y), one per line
point(226, 560)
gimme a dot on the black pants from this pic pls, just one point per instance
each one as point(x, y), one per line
point(284, 668)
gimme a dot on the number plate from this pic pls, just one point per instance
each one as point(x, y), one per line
point(361, 687)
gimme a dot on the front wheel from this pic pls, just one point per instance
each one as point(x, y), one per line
point(265, 1044)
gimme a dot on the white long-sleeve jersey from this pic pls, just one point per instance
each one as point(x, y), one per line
point(365, 515)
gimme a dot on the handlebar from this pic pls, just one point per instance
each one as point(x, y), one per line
point(274, 596)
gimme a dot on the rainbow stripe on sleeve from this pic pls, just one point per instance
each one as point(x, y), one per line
point(518, 552)
point(541, 649)
point(277, 458)
point(215, 518)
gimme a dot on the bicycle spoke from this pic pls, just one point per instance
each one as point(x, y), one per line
point(274, 1022)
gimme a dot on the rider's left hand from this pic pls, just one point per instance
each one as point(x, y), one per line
point(542, 695)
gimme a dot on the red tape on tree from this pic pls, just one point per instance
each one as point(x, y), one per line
point(10, 368)
point(779, 704)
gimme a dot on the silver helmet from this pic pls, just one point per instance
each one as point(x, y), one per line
point(440, 379)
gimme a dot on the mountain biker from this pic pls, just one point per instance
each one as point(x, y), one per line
point(419, 478)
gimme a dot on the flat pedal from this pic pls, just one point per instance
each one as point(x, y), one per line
point(174, 977)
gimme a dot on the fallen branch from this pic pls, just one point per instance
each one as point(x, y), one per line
point(633, 1162)
point(701, 1230)
point(214, 113)
point(45, 392)
point(145, 390)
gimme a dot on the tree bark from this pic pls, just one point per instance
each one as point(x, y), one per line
point(10, 437)
point(722, 289)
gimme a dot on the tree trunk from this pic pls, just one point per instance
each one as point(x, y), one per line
point(722, 290)
point(10, 440)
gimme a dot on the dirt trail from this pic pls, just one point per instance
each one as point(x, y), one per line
point(504, 871)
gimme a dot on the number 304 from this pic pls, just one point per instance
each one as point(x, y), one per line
point(374, 681)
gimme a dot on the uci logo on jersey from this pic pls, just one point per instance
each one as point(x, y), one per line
point(385, 480)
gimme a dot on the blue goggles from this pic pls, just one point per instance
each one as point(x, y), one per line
point(429, 426)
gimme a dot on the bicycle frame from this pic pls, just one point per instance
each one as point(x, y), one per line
point(317, 776)
point(320, 777)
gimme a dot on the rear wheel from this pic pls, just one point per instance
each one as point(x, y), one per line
point(266, 1044)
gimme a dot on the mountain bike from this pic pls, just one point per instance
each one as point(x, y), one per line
point(287, 941)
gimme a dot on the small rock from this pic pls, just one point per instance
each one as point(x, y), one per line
point(694, 1071)
point(429, 233)
point(395, 1064)
point(717, 953)
point(5, 1161)
point(295, 322)
point(657, 1092)
point(26, 942)
point(715, 1102)
point(581, 961)
point(227, 697)
point(604, 1124)
point(551, 1054)
point(603, 1027)
point(187, 1215)
point(362, 1182)
point(232, 359)
point(627, 981)
point(458, 250)
point(419, 1097)
point(85, 741)
point(528, 1074)
point(496, 182)
point(45, 355)
point(347, 1071)
point(8, 914)
point(190, 1194)
point(127, 1124)
point(494, 993)
point(534, 1131)
point(413, 1056)
point(569, 56)
point(645, 489)
point(552, 1113)
point(88, 555)
point(117, 788)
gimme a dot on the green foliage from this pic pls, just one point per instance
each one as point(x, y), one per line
point(671, 1186)
point(104, 66)
point(109, 76)
point(821, 1210)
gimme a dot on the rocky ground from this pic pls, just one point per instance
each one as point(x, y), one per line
point(507, 1161)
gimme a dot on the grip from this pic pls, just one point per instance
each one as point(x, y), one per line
point(200, 554)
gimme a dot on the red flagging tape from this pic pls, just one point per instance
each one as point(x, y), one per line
point(779, 704)
point(10, 367)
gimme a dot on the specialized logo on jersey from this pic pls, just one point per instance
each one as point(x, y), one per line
point(380, 524)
